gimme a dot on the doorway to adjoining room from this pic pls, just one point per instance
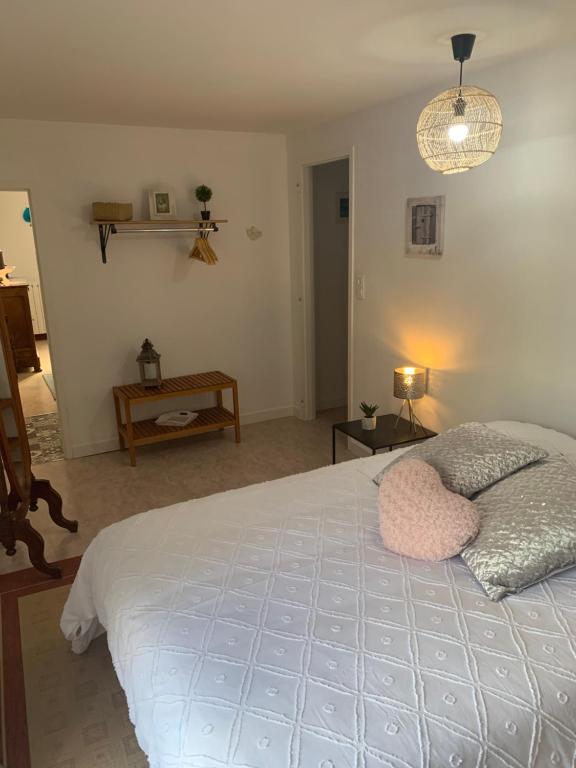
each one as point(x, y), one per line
point(330, 213)
point(21, 291)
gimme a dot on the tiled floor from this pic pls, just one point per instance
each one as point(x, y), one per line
point(99, 490)
point(44, 438)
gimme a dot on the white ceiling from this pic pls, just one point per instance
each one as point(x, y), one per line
point(248, 64)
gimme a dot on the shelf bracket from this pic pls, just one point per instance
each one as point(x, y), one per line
point(105, 230)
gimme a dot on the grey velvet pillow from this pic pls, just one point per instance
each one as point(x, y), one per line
point(471, 457)
point(527, 528)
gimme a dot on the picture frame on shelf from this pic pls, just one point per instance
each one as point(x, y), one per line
point(425, 227)
point(162, 203)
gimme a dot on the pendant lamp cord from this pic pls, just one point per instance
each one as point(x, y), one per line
point(461, 68)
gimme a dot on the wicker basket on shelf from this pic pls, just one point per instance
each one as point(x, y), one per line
point(112, 211)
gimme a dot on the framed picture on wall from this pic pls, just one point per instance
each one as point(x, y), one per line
point(162, 203)
point(425, 227)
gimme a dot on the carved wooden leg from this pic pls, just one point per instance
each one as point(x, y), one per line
point(41, 489)
point(24, 532)
point(7, 536)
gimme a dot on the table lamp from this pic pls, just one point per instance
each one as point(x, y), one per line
point(409, 384)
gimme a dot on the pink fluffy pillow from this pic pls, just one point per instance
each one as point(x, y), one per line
point(419, 517)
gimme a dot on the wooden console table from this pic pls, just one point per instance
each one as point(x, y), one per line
point(134, 433)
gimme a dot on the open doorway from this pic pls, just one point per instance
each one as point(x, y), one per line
point(330, 277)
point(23, 304)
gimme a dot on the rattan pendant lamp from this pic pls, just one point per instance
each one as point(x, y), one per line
point(461, 127)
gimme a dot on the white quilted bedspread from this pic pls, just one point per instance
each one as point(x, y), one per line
point(267, 627)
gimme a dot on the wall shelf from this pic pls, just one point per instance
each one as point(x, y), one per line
point(107, 228)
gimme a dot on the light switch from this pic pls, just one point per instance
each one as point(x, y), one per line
point(361, 287)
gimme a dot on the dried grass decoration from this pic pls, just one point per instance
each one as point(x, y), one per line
point(203, 251)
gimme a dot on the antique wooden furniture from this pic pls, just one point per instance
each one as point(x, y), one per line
point(18, 317)
point(391, 431)
point(19, 489)
point(133, 433)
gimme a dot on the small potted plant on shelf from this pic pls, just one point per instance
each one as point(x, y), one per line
point(369, 419)
point(204, 195)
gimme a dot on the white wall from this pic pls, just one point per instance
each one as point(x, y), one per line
point(16, 236)
point(494, 318)
point(330, 232)
point(234, 316)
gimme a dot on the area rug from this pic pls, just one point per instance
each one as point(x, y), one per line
point(49, 381)
point(44, 438)
point(61, 710)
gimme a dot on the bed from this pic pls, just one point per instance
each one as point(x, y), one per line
point(268, 627)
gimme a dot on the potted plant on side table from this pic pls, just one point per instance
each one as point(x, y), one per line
point(369, 419)
point(204, 195)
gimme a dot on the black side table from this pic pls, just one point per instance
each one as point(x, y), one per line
point(386, 434)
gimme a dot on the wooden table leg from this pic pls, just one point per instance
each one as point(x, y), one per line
point(7, 537)
point(24, 532)
point(333, 444)
point(130, 433)
point(220, 403)
point(236, 411)
point(41, 489)
point(119, 421)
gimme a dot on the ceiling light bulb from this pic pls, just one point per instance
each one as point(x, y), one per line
point(458, 132)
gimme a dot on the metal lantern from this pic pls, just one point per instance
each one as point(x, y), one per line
point(149, 363)
point(460, 128)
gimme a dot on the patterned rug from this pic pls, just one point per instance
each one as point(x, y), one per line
point(61, 710)
point(44, 438)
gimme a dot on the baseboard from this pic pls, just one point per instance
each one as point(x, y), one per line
point(275, 413)
point(90, 449)
point(111, 444)
point(328, 405)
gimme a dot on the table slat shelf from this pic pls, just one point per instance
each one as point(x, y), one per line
point(146, 431)
point(133, 433)
point(193, 384)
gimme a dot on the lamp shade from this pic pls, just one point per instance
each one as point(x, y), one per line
point(409, 383)
point(459, 129)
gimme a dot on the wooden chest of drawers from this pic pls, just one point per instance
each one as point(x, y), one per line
point(20, 329)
